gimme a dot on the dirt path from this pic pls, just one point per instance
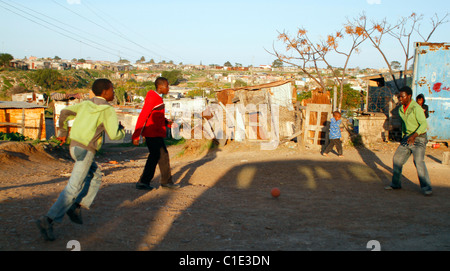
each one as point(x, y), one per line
point(326, 203)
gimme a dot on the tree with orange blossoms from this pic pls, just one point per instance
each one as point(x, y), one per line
point(312, 53)
point(304, 53)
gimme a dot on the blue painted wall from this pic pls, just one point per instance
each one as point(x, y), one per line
point(431, 78)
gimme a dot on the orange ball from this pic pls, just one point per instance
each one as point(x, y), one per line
point(275, 192)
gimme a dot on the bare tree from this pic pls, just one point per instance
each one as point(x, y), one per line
point(313, 54)
point(307, 54)
point(301, 51)
point(402, 31)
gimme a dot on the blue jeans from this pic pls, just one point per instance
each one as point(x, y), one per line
point(82, 186)
point(402, 155)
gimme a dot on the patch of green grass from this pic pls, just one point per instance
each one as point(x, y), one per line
point(208, 146)
point(174, 142)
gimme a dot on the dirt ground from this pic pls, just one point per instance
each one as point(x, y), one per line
point(224, 203)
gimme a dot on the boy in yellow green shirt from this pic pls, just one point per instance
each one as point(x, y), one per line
point(93, 117)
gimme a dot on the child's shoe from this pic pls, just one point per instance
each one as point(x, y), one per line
point(74, 213)
point(46, 228)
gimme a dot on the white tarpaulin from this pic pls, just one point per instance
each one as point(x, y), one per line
point(282, 96)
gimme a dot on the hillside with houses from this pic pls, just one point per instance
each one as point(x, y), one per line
point(53, 83)
point(74, 76)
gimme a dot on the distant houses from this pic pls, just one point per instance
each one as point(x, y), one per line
point(252, 75)
point(33, 63)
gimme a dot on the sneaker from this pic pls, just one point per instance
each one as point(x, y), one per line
point(143, 186)
point(428, 193)
point(46, 228)
point(391, 188)
point(74, 214)
point(171, 185)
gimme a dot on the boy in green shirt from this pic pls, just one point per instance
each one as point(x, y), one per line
point(414, 141)
point(92, 118)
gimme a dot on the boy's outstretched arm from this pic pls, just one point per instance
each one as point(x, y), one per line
point(113, 128)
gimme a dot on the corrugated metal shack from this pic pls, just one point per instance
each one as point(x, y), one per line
point(25, 118)
point(256, 125)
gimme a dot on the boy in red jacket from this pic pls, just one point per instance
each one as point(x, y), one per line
point(151, 124)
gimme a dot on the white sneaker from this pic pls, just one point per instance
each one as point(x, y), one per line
point(428, 193)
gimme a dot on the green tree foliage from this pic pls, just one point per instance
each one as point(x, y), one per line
point(304, 95)
point(48, 79)
point(277, 63)
point(52, 80)
point(141, 60)
point(173, 76)
point(6, 84)
point(145, 87)
point(121, 94)
point(198, 92)
point(13, 137)
point(5, 59)
point(396, 65)
point(351, 98)
point(124, 61)
point(239, 83)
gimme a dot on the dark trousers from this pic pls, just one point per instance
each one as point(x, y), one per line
point(334, 142)
point(158, 155)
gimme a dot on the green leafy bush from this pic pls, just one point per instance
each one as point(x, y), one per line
point(13, 137)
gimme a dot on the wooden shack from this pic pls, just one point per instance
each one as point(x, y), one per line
point(257, 123)
point(25, 118)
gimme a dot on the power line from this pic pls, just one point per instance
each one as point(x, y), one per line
point(106, 29)
point(85, 2)
point(63, 34)
point(129, 49)
point(69, 34)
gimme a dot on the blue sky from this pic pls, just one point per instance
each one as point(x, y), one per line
point(195, 31)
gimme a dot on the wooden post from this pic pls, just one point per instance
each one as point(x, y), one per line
point(41, 126)
point(23, 121)
point(446, 158)
point(366, 105)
